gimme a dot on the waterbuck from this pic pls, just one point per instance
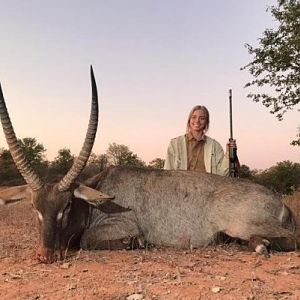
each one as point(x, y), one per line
point(182, 209)
point(60, 218)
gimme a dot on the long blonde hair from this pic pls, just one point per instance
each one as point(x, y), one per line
point(198, 107)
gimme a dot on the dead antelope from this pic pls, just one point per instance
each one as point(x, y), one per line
point(181, 209)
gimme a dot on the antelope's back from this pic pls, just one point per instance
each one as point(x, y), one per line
point(180, 208)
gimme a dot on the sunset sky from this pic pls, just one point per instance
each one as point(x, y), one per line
point(153, 61)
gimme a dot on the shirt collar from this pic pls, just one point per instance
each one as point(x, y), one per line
point(190, 137)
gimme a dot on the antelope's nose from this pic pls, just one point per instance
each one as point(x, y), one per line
point(46, 256)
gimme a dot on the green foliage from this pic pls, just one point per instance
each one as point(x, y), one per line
point(33, 151)
point(63, 161)
point(8, 171)
point(157, 163)
point(5, 158)
point(35, 155)
point(245, 172)
point(102, 161)
point(95, 165)
point(120, 155)
point(296, 142)
point(276, 62)
point(283, 178)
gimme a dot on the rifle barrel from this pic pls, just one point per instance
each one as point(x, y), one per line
point(230, 113)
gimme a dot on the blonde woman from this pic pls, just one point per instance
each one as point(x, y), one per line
point(195, 150)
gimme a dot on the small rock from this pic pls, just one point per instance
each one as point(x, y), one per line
point(65, 266)
point(220, 277)
point(15, 276)
point(216, 289)
point(71, 287)
point(35, 297)
point(284, 273)
point(135, 297)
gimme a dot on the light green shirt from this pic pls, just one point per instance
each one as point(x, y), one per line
point(215, 160)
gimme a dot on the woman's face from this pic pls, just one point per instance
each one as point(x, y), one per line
point(198, 120)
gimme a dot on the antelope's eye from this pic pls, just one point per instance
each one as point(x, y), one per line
point(59, 215)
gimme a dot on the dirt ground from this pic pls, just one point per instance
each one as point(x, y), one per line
point(221, 272)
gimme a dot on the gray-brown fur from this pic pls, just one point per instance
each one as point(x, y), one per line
point(187, 209)
point(182, 209)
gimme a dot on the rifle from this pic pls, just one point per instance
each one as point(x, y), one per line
point(233, 159)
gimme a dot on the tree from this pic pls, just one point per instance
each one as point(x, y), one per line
point(5, 159)
point(8, 171)
point(157, 163)
point(63, 161)
point(276, 63)
point(297, 140)
point(34, 154)
point(282, 178)
point(102, 161)
point(94, 165)
point(33, 151)
point(99, 162)
point(120, 155)
point(245, 172)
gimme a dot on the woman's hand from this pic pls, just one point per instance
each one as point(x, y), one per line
point(231, 144)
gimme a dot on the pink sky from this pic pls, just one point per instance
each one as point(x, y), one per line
point(153, 62)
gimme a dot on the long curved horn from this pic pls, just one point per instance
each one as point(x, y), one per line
point(15, 150)
point(86, 149)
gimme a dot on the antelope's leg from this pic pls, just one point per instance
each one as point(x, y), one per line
point(263, 245)
point(116, 232)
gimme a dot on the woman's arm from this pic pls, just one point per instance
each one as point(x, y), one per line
point(170, 157)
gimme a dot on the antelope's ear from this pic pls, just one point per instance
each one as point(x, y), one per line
point(91, 196)
point(14, 194)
